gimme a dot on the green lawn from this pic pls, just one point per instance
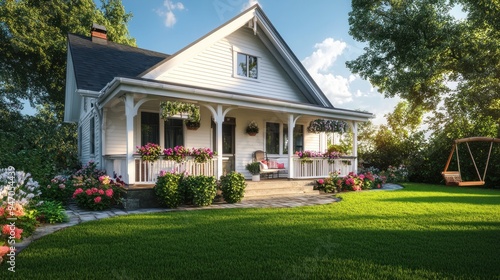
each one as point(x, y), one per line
point(421, 232)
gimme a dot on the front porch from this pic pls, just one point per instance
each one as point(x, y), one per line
point(146, 173)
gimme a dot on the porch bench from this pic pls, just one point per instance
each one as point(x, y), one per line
point(272, 171)
point(261, 157)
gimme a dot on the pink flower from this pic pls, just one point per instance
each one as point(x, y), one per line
point(18, 210)
point(17, 233)
point(3, 251)
point(101, 192)
point(88, 191)
point(94, 190)
point(321, 181)
point(6, 229)
point(77, 192)
point(97, 199)
point(104, 179)
point(109, 193)
point(2, 211)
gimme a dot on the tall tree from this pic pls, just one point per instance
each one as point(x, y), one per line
point(32, 67)
point(33, 43)
point(419, 51)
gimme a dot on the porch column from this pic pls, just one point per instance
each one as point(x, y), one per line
point(130, 113)
point(291, 126)
point(219, 119)
point(355, 145)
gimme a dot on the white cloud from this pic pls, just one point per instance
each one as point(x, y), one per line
point(249, 4)
point(319, 65)
point(168, 13)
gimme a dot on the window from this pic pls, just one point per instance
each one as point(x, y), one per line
point(150, 128)
point(246, 66)
point(174, 135)
point(298, 138)
point(273, 138)
point(92, 135)
point(277, 133)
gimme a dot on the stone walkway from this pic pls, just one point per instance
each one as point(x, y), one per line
point(77, 215)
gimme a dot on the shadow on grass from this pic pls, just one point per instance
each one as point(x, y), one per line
point(477, 200)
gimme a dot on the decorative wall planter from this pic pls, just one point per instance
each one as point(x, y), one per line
point(192, 125)
point(252, 133)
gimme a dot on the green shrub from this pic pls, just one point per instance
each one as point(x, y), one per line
point(51, 212)
point(59, 189)
point(97, 194)
point(168, 191)
point(27, 222)
point(201, 188)
point(233, 187)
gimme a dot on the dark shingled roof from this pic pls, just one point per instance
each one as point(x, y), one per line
point(96, 65)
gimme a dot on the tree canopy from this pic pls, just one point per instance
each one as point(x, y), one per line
point(33, 47)
point(418, 50)
point(33, 43)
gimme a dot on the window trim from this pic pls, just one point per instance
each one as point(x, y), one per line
point(237, 51)
point(282, 137)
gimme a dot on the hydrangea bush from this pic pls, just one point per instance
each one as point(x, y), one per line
point(18, 186)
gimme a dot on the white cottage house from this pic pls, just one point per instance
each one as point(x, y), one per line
point(240, 72)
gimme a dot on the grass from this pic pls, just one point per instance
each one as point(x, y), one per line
point(421, 232)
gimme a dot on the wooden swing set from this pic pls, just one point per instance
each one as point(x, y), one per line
point(454, 178)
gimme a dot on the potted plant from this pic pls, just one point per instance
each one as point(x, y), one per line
point(252, 128)
point(254, 169)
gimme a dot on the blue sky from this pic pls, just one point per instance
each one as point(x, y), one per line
point(316, 31)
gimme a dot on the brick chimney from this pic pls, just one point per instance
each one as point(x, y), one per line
point(98, 34)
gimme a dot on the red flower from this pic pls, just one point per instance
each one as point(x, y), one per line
point(109, 193)
point(101, 192)
point(88, 191)
point(97, 199)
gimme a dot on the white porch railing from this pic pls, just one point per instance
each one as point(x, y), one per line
point(321, 168)
point(147, 172)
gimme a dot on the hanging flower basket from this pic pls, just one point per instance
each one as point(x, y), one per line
point(252, 128)
point(322, 125)
point(192, 125)
point(180, 110)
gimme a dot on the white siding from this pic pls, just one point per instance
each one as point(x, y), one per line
point(201, 138)
point(213, 68)
point(311, 141)
point(115, 135)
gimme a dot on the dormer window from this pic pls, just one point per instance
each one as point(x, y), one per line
point(246, 66)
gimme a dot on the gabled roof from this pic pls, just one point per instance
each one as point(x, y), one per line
point(95, 65)
point(270, 37)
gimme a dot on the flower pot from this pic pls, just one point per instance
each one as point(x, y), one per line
point(252, 133)
point(192, 127)
point(256, 178)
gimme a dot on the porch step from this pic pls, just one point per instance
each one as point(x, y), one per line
point(278, 188)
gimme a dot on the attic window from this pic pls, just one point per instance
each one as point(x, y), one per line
point(246, 65)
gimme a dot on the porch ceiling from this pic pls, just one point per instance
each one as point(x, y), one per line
point(163, 91)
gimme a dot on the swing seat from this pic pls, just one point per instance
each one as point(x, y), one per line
point(452, 178)
point(471, 183)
